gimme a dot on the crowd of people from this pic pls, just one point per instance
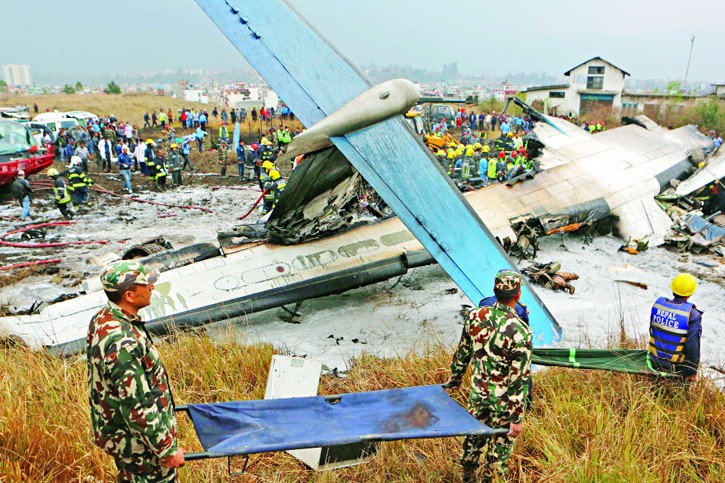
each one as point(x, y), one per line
point(107, 144)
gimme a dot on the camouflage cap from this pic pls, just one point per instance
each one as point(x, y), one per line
point(124, 274)
point(507, 281)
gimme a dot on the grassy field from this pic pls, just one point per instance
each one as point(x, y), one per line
point(585, 426)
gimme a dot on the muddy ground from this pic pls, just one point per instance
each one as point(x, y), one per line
point(388, 318)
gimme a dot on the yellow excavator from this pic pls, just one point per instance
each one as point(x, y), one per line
point(433, 141)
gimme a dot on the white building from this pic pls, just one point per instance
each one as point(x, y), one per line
point(596, 86)
point(196, 95)
point(17, 75)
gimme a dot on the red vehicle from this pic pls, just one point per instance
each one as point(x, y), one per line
point(20, 150)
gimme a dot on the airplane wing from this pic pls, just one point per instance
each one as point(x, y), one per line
point(315, 80)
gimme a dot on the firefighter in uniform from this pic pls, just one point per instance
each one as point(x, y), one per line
point(61, 194)
point(78, 181)
point(270, 190)
point(675, 330)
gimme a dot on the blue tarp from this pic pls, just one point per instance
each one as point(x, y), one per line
point(246, 427)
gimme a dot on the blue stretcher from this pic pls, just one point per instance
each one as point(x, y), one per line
point(246, 427)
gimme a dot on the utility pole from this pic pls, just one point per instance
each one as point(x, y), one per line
point(689, 58)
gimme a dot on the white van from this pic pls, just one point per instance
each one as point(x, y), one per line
point(83, 116)
point(55, 121)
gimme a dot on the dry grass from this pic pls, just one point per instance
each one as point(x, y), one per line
point(585, 426)
point(131, 107)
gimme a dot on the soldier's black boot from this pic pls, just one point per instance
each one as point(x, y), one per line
point(469, 473)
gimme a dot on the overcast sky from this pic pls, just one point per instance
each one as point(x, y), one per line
point(647, 38)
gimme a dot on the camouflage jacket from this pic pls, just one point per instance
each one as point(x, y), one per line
point(222, 155)
point(132, 409)
point(499, 347)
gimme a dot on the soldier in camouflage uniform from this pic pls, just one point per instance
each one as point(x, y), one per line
point(132, 409)
point(498, 344)
point(223, 156)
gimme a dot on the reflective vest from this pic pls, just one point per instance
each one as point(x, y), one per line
point(668, 329)
point(61, 195)
point(223, 132)
point(465, 169)
point(78, 179)
point(281, 184)
point(271, 187)
point(492, 171)
point(267, 155)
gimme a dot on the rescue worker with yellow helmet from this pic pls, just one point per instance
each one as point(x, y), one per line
point(61, 195)
point(270, 189)
point(675, 330)
point(280, 185)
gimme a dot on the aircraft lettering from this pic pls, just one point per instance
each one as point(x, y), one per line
point(305, 262)
point(396, 238)
point(358, 248)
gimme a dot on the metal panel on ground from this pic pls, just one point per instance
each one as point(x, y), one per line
point(300, 377)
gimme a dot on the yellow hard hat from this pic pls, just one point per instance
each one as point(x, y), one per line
point(440, 153)
point(510, 134)
point(684, 285)
point(52, 172)
point(172, 145)
point(149, 141)
point(469, 152)
point(460, 146)
point(268, 165)
point(274, 174)
point(477, 145)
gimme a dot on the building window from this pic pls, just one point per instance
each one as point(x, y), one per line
point(596, 69)
point(556, 95)
point(595, 82)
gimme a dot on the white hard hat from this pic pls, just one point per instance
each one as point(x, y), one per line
point(75, 160)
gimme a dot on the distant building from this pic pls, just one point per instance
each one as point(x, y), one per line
point(17, 75)
point(504, 90)
point(720, 90)
point(596, 86)
point(196, 95)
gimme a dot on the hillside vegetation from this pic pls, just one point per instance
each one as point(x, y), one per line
point(585, 426)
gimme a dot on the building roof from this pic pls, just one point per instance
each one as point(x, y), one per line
point(547, 88)
point(597, 58)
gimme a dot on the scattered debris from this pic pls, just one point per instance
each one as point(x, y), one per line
point(641, 285)
point(634, 246)
point(550, 276)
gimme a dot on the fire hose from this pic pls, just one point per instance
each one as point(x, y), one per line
point(45, 245)
point(30, 264)
point(101, 189)
point(254, 205)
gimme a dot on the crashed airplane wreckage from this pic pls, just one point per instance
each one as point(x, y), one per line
point(335, 248)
